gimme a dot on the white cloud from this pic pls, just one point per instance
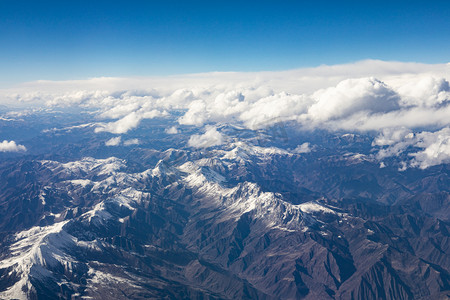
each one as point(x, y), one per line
point(120, 110)
point(196, 114)
point(435, 146)
point(385, 97)
point(397, 140)
point(129, 122)
point(115, 141)
point(11, 146)
point(303, 148)
point(210, 138)
point(334, 97)
point(131, 142)
point(306, 80)
point(123, 125)
point(172, 130)
point(282, 106)
point(415, 117)
point(352, 96)
point(425, 91)
point(436, 149)
point(390, 136)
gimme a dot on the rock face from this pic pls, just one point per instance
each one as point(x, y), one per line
point(237, 222)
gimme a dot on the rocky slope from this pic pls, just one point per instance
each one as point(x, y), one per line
point(236, 222)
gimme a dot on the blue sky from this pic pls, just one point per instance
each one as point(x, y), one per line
point(61, 40)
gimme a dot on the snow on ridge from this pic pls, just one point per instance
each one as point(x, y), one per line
point(128, 197)
point(120, 188)
point(205, 177)
point(104, 166)
point(38, 246)
point(242, 151)
point(81, 182)
point(358, 157)
point(245, 197)
point(98, 277)
point(98, 214)
point(86, 165)
point(35, 251)
point(82, 174)
point(162, 168)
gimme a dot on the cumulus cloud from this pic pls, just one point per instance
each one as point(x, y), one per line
point(397, 140)
point(129, 122)
point(236, 107)
point(11, 146)
point(367, 95)
point(425, 91)
point(392, 98)
point(390, 136)
point(131, 142)
point(172, 130)
point(436, 149)
point(434, 146)
point(196, 114)
point(303, 148)
point(123, 125)
point(115, 141)
point(210, 138)
point(351, 96)
point(282, 106)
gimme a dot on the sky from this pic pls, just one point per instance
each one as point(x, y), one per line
point(61, 40)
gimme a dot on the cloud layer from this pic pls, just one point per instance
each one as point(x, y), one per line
point(365, 96)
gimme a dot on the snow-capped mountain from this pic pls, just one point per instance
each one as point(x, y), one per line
point(225, 212)
point(237, 221)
